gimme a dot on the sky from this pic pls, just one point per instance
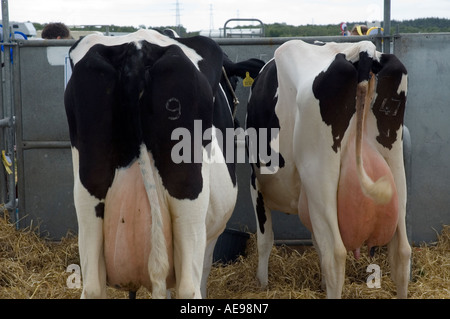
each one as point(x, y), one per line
point(196, 15)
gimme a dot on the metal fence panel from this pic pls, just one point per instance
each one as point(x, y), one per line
point(42, 88)
point(427, 113)
point(48, 192)
point(45, 184)
point(45, 166)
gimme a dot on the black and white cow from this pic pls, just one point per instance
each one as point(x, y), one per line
point(152, 191)
point(339, 113)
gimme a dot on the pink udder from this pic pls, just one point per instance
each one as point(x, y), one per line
point(360, 219)
point(127, 231)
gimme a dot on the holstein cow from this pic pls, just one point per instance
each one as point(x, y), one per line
point(339, 108)
point(149, 211)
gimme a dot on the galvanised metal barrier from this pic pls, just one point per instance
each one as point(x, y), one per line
point(7, 123)
point(45, 176)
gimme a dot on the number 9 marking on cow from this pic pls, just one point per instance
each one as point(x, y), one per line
point(173, 105)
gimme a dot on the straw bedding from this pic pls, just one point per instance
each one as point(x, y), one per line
point(32, 267)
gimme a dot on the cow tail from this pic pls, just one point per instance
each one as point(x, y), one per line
point(381, 190)
point(158, 263)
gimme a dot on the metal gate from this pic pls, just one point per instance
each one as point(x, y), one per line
point(427, 114)
point(7, 119)
point(45, 178)
point(35, 108)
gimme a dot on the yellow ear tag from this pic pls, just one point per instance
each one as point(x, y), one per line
point(248, 81)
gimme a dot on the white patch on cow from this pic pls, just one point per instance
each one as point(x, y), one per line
point(139, 45)
point(81, 194)
point(269, 156)
point(352, 51)
point(223, 197)
point(150, 36)
point(403, 87)
point(275, 143)
point(214, 148)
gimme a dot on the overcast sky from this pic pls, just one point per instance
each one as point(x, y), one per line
point(197, 15)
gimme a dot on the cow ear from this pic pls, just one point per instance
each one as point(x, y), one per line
point(241, 69)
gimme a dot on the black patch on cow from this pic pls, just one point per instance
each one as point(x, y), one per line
point(91, 116)
point(100, 210)
point(335, 89)
point(182, 82)
point(389, 106)
point(261, 212)
point(211, 64)
point(252, 177)
point(364, 66)
point(261, 113)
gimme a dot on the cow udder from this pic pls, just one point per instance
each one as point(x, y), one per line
point(360, 219)
point(127, 232)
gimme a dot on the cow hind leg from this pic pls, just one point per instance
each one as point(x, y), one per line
point(90, 244)
point(399, 250)
point(189, 240)
point(399, 254)
point(207, 264)
point(89, 212)
point(328, 243)
point(332, 261)
point(323, 285)
point(264, 236)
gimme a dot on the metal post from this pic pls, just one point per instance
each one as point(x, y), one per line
point(4, 120)
point(5, 21)
point(387, 26)
point(8, 109)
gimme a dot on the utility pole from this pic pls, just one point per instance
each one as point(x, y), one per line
point(387, 26)
point(211, 17)
point(178, 17)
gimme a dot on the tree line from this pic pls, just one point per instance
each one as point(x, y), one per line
point(423, 25)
